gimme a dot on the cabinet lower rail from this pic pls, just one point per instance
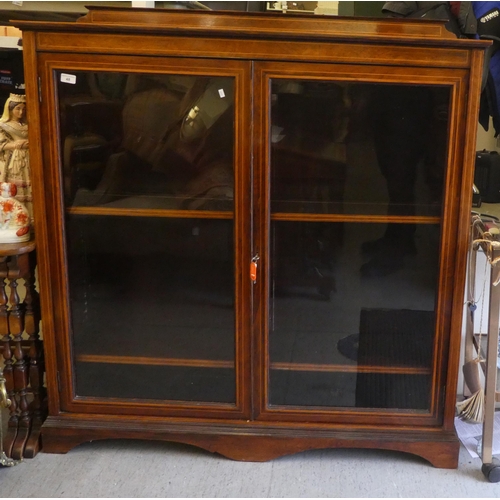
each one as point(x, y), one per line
point(251, 442)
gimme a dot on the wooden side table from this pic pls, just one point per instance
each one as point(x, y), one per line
point(23, 358)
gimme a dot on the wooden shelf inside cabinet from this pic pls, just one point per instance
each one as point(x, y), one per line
point(149, 361)
point(380, 219)
point(310, 367)
point(127, 212)
point(162, 342)
point(350, 211)
point(206, 363)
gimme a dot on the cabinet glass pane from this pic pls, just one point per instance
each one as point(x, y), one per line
point(357, 148)
point(147, 167)
point(351, 317)
point(147, 141)
point(152, 307)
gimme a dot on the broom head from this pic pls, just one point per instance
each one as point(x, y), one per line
point(472, 409)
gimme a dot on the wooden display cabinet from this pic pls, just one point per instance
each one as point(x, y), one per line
point(252, 228)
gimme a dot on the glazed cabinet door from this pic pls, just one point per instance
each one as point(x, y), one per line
point(152, 159)
point(358, 173)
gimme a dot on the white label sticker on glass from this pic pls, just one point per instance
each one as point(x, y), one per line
point(65, 78)
point(221, 93)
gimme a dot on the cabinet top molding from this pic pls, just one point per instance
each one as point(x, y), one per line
point(252, 25)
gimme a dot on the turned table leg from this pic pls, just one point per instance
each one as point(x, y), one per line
point(23, 360)
point(36, 368)
point(16, 326)
point(8, 354)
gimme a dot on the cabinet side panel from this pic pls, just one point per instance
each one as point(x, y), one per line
point(37, 136)
point(467, 161)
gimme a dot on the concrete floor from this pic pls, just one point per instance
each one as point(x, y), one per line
point(124, 468)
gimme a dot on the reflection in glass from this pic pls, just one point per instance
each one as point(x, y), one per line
point(340, 336)
point(357, 148)
point(147, 141)
point(152, 307)
point(151, 295)
point(352, 304)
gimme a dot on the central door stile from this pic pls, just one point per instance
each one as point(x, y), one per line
point(261, 210)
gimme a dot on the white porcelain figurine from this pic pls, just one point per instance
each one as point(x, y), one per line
point(14, 216)
point(14, 152)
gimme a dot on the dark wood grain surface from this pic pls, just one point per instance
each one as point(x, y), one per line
point(253, 49)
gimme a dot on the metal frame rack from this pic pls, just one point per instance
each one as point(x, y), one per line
point(485, 236)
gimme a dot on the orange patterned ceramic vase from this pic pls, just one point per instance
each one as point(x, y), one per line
point(14, 216)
